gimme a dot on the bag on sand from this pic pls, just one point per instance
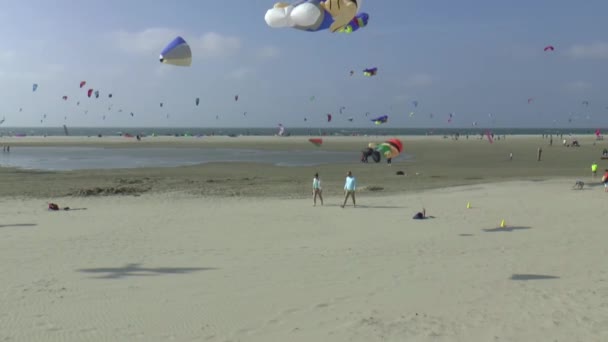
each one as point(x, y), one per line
point(53, 206)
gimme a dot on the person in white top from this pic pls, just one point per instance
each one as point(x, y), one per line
point(316, 190)
point(349, 189)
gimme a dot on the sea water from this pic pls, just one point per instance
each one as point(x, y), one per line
point(82, 158)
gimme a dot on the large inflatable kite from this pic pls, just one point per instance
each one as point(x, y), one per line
point(177, 53)
point(391, 148)
point(318, 15)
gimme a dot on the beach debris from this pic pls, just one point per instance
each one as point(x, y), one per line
point(400, 173)
point(316, 16)
point(177, 53)
point(503, 224)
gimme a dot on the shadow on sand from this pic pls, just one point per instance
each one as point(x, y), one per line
point(18, 225)
point(134, 270)
point(526, 277)
point(506, 229)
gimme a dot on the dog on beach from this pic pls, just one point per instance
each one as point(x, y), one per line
point(578, 185)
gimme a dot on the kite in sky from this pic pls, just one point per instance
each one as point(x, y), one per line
point(370, 72)
point(177, 53)
point(318, 15)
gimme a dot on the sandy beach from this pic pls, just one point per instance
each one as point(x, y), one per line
point(237, 252)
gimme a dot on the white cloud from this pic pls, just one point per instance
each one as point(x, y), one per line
point(268, 52)
point(419, 80)
point(7, 56)
point(241, 73)
point(597, 50)
point(153, 40)
point(213, 44)
point(578, 86)
point(144, 42)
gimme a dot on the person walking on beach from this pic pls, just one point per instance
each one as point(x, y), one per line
point(593, 169)
point(350, 186)
point(316, 190)
point(605, 180)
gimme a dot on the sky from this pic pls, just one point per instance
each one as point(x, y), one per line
point(480, 60)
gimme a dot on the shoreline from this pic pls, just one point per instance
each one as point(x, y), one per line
point(435, 163)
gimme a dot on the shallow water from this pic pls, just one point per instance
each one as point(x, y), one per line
point(82, 158)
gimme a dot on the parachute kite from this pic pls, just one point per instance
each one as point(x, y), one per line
point(312, 98)
point(34, 86)
point(380, 120)
point(236, 98)
point(110, 96)
point(177, 53)
point(161, 104)
point(358, 22)
point(586, 103)
point(352, 72)
point(197, 101)
point(342, 109)
point(370, 72)
point(96, 94)
point(65, 98)
point(450, 116)
point(90, 92)
point(530, 100)
point(328, 117)
point(319, 15)
point(316, 141)
point(82, 83)
point(391, 148)
point(549, 48)
point(415, 103)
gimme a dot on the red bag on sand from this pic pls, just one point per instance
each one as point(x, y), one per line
point(53, 206)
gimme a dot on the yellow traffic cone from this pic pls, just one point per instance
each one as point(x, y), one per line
point(468, 205)
point(503, 224)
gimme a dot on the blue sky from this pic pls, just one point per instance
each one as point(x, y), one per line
point(480, 60)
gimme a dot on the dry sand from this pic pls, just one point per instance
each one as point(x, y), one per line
point(176, 267)
point(229, 252)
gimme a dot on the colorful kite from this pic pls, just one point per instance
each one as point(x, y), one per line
point(177, 53)
point(380, 120)
point(391, 148)
point(318, 15)
point(370, 72)
point(316, 141)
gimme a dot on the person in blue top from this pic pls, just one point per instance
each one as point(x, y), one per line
point(349, 189)
point(314, 15)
